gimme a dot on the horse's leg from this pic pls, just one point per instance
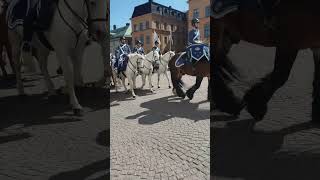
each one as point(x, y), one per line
point(316, 87)
point(176, 79)
point(67, 67)
point(9, 53)
point(130, 79)
point(143, 77)
point(165, 73)
point(77, 64)
point(150, 82)
point(42, 57)
point(190, 92)
point(124, 83)
point(158, 79)
point(258, 96)
point(134, 79)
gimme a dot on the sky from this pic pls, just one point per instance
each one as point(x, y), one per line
point(121, 10)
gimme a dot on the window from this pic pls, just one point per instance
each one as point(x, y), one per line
point(147, 39)
point(135, 40)
point(207, 11)
point(166, 39)
point(135, 28)
point(141, 26)
point(206, 31)
point(165, 26)
point(147, 24)
point(172, 27)
point(196, 13)
point(157, 25)
point(142, 38)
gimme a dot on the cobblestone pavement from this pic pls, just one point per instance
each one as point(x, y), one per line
point(285, 145)
point(159, 136)
point(41, 140)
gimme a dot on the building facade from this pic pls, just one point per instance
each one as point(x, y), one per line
point(117, 33)
point(153, 17)
point(200, 9)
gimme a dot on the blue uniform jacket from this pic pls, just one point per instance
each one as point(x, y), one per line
point(194, 35)
point(139, 50)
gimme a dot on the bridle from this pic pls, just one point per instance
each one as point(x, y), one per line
point(87, 23)
point(135, 67)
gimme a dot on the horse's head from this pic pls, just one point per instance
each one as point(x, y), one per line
point(98, 18)
point(167, 56)
point(153, 56)
point(137, 60)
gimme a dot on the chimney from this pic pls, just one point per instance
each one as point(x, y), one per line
point(150, 1)
point(127, 24)
point(114, 27)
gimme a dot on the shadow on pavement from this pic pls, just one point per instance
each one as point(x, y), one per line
point(168, 107)
point(239, 153)
point(37, 110)
point(100, 167)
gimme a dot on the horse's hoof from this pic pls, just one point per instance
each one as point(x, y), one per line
point(190, 94)
point(169, 87)
point(134, 97)
point(159, 87)
point(78, 112)
point(59, 71)
point(257, 111)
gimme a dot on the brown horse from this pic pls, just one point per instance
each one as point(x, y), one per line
point(201, 69)
point(4, 42)
point(296, 27)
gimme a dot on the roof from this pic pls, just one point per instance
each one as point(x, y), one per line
point(153, 7)
point(121, 32)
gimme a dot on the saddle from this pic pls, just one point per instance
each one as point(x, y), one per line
point(194, 53)
point(38, 15)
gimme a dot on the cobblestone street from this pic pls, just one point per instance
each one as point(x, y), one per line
point(42, 140)
point(285, 145)
point(159, 136)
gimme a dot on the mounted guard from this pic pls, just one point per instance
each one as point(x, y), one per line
point(138, 48)
point(121, 54)
point(156, 64)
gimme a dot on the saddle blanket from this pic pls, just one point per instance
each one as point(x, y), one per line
point(17, 10)
point(122, 63)
point(222, 7)
point(196, 51)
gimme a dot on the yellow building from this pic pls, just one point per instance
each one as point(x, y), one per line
point(153, 17)
point(200, 9)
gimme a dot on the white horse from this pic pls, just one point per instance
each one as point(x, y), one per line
point(69, 24)
point(147, 68)
point(163, 67)
point(135, 63)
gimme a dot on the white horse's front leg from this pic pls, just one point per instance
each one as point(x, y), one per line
point(134, 81)
point(43, 61)
point(166, 74)
point(124, 83)
point(68, 72)
point(158, 79)
point(131, 86)
point(150, 82)
point(143, 77)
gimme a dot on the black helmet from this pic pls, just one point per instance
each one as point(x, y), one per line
point(122, 38)
point(139, 42)
point(194, 21)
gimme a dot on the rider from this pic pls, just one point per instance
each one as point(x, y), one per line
point(193, 36)
point(34, 21)
point(138, 48)
point(156, 48)
point(121, 53)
